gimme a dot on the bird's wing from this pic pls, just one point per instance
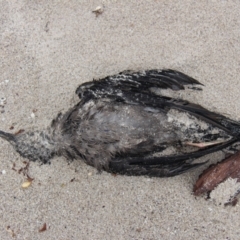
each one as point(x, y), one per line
point(166, 166)
point(135, 88)
point(135, 82)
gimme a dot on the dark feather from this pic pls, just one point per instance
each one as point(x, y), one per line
point(136, 82)
point(122, 166)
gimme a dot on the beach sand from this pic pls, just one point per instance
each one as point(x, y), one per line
point(47, 49)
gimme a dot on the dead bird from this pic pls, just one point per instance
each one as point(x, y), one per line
point(121, 126)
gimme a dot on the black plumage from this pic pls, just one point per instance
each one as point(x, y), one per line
point(120, 125)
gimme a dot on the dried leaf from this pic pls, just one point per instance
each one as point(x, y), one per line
point(43, 228)
point(215, 174)
point(19, 131)
point(11, 231)
point(30, 179)
point(13, 167)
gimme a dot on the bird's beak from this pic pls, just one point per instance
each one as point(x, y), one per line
point(8, 136)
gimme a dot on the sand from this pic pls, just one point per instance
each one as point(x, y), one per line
point(47, 49)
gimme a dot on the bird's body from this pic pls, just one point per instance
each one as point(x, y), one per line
point(121, 126)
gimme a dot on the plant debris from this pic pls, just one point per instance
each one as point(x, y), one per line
point(43, 228)
point(19, 131)
point(26, 184)
point(98, 11)
point(24, 170)
point(217, 175)
point(72, 180)
point(11, 231)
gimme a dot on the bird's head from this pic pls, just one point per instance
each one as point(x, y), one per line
point(32, 145)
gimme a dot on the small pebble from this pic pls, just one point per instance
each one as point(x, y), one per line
point(26, 184)
point(32, 115)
